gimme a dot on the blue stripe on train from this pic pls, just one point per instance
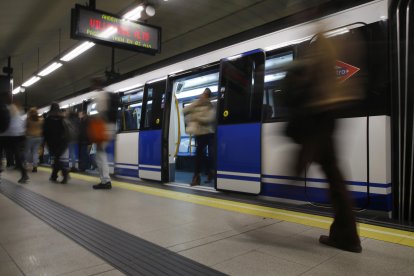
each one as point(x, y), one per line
point(237, 177)
point(320, 195)
point(321, 180)
point(126, 172)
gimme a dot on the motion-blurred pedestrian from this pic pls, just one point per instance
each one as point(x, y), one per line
point(56, 141)
point(314, 99)
point(34, 135)
point(199, 117)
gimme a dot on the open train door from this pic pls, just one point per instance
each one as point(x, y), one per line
point(238, 139)
point(150, 136)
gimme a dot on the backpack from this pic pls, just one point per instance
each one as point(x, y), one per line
point(71, 131)
point(4, 118)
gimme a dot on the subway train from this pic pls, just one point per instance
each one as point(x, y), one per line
point(252, 154)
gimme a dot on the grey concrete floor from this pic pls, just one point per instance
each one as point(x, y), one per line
point(231, 242)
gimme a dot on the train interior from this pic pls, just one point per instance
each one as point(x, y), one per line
point(183, 146)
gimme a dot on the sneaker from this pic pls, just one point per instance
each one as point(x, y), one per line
point(34, 169)
point(23, 180)
point(346, 247)
point(103, 186)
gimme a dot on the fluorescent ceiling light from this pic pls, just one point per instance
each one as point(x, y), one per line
point(134, 14)
point(50, 69)
point(129, 87)
point(65, 106)
point(78, 50)
point(336, 32)
point(287, 43)
point(195, 92)
point(93, 112)
point(31, 81)
point(108, 32)
point(159, 79)
point(234, 57)
point(16, 90)
point(275, 77)
point(136, 105)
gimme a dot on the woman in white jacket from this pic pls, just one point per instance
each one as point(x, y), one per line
point(199, 118)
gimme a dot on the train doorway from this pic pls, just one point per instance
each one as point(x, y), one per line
point(185, 90)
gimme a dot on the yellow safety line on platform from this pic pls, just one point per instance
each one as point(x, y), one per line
point(366, 230)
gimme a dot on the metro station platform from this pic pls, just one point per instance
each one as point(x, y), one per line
point(145, 229)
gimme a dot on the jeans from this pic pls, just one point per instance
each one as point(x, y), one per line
point(84, 162)
point(102, 163)
point(203, 142)
point(32, 149)
point(72, 155)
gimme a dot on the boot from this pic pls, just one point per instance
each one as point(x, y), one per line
point(196, 180)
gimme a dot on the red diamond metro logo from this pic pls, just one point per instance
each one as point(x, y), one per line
point(344, 70)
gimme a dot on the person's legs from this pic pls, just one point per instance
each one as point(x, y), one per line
point(103, 167)
point(343, 231)
point(83, 157)
point(18, 145)
point(35, 152)
point(55, 166)
point(201, 142)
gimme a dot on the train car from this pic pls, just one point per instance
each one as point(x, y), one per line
point(252, 154)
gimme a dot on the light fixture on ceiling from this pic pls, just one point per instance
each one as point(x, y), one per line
point(149, 10)
point(77, 51)
point(129, 87)
point(134, 14)
point(31, 81)
point(17, 90)
point(52, 67)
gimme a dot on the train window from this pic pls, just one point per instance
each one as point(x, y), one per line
point(154, 104)
point(130, 113)
point(241, 89)
point(273, 105)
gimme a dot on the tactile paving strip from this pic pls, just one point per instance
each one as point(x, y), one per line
point(128, 253)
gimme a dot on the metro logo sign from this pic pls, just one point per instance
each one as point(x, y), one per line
point(344, 70)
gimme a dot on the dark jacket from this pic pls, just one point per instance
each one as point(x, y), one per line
point(83, 131)
point(54, 133)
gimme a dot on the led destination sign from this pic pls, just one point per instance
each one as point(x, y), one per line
point(110, 30)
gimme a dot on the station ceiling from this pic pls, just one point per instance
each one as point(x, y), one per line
point(33, 31)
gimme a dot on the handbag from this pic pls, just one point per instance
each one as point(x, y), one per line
point(97, 130)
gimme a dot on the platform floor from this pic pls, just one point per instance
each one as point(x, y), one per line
point(230, 237)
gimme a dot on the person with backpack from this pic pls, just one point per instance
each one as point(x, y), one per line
point(14, 139)
point(57, 141)
point(105, 122)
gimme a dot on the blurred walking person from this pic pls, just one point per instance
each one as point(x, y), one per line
point(104, 128)
point(57, 141)
point(34, 134)
point(14, 139)
point(199, 117)
point(314, 97)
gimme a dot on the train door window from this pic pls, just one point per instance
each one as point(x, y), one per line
point(240, 97)
point(273, 104)
point(154, 104)
point(130, 114)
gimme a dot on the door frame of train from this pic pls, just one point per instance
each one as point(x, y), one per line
point(169, 94)
point(152, 164)
point(256, 127)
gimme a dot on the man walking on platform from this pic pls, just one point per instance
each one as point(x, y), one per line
point(313, 99)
